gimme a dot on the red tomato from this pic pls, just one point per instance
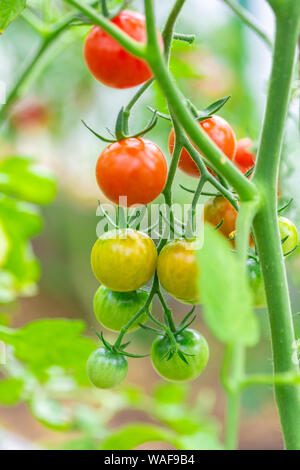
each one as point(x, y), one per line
point(30, 114)
point(245, 157)
point(219, 131)
point(109, 62)
point(135, 168)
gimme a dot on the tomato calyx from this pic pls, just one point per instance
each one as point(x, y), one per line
point(121, 128)
point(171, 332)
point(117, 350)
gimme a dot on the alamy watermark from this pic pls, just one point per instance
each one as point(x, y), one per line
point(156, 220)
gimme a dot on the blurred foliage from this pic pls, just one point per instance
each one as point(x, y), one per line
point(23, 185)
point(53, 383)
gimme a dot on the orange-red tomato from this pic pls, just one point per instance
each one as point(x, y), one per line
point(135, 168)
point(219, 131)
point(218, 208)
point(109, 62)
point(245, 157)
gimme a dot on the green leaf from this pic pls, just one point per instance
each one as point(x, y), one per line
point(133, 435)
point(9, 11)
point(51, 413)
point(24, 179)
point(45, 343)
point(200, 441)
point(170, 393)
point(10, 391)
point(224, 292)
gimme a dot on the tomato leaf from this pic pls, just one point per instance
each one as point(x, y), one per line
point(46, 343)
point(24, 179)
point(224, 292)
point(10, 391)
point(9, 11)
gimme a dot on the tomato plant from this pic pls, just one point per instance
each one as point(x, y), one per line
point(115, 309)
point(220, 132)
point(124, 260)
point(106, 368)
point(132, 168)
point(245, 155)
point(177, 270)
point(288, 234)
point(170, 365)
point(122, 50)
point(109, 62)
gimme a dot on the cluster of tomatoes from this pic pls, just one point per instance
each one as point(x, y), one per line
point(133, 171)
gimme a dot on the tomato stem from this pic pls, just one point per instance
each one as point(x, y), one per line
point(266, 223)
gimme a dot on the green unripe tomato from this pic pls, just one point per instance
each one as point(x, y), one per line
point(106, 368)
point(115, 309)
point(124, 260)
point(190, 342)
point(288, 230)
point(256, 282)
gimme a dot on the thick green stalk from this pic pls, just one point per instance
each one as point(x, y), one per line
point(237, 356)
point(265, 223)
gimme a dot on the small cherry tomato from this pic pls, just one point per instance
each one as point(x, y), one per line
point(132, 168)
point(115, 309)
point(192, 344)
point(219, 131)
point(124, 260)
point(256, 283)
point(106, 368)
point(245, 156)
point(289, 233)
point(217, 209)
point(177, 270)
point(109, 62)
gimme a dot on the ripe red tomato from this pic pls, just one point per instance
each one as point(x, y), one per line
point(219, 131)
point(245, 157)
point(135, 168)
point(109, 62)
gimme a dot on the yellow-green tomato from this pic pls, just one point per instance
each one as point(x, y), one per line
point(192, 345)
point(106, 368)
point(115, 309)
point(124, 260)
point(288, 232)
point(177, 270)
